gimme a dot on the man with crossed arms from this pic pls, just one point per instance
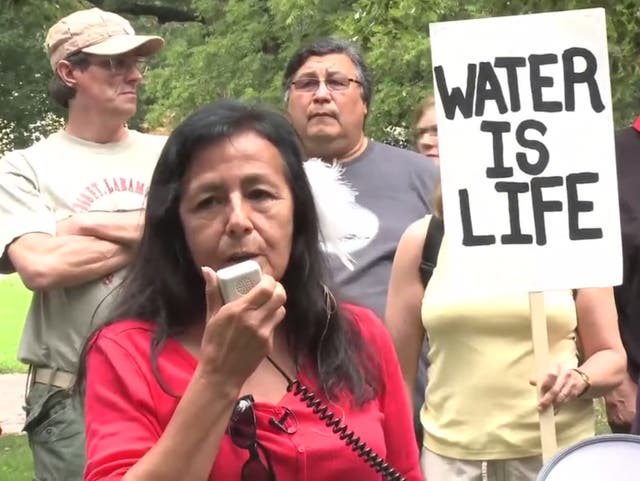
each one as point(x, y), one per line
point(71, 216)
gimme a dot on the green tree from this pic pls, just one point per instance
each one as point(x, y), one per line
point(24, 70)
point(26, 113)
point(239, 48)
point(242, 48)
point(623, 31)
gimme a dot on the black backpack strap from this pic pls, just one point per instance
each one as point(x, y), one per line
point(431, 248)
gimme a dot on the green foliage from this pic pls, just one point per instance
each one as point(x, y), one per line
point(239, 48)
point(24, 69)
point(243, 48)
point(243, 52)
point(623, 31)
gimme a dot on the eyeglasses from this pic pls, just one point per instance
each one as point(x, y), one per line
point(121, 64)
point(333, 84)
point(243, 433)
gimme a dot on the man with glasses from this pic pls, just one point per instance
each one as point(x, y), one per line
point(71, 216)
point(328, 91)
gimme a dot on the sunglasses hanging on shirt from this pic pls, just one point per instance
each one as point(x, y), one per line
point(243, 432)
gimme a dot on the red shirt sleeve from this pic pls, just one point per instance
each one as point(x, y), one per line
point(121, 424)
point(402, 450)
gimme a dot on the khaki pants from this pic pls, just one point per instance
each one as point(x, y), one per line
point(440, 468)
point(55, 427)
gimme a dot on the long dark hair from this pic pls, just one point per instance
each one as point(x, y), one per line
point(165, 286)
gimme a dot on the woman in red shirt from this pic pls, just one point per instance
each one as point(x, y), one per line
point(183, 386)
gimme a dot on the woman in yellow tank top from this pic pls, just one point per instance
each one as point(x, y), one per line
point(480, 415)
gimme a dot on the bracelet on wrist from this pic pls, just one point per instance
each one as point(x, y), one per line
point(585, 378)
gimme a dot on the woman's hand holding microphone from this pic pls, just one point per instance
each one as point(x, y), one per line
point(239, 334)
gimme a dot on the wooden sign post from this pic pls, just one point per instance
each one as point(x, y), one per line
point(528, 171)
point(541, 354)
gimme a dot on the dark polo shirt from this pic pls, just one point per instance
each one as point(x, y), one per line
point(628, 294)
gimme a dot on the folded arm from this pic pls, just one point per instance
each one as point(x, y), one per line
point(621, 403)
point(49, 253)
point(119, 227)
point(44, 261)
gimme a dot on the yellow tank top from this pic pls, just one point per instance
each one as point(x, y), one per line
point(479, 403)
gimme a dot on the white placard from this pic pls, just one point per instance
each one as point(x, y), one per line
point(527, 151)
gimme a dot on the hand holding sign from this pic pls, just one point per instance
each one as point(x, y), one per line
point(560, 385)
point(529, 200)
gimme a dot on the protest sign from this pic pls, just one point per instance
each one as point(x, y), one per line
point(527, 151)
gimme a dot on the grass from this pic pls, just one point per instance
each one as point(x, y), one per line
point(16, 463)
point(14, 302)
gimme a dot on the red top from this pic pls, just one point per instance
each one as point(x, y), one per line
point(127, 411)
point(636, 124)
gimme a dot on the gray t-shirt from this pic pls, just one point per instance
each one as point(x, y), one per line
point(394, 188)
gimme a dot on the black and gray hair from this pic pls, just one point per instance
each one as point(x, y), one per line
point(327, 46)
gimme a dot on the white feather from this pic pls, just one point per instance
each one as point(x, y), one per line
point(333, 197)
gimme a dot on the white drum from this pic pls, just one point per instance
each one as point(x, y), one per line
point(610, 457)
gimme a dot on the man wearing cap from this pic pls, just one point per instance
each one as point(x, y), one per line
point(71, 216)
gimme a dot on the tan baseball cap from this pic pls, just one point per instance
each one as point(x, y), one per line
point(97, 32)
